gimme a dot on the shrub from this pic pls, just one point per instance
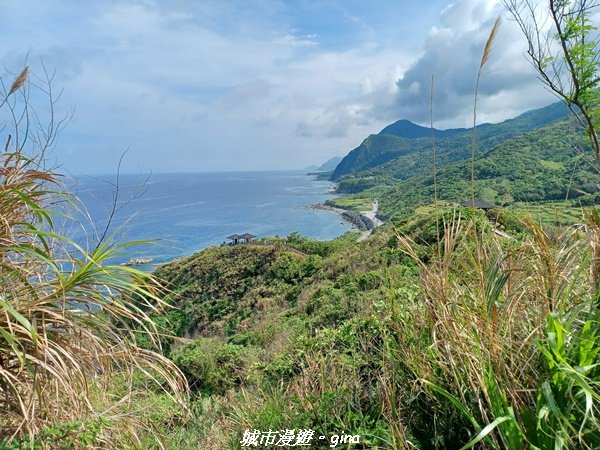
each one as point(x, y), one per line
point(211, 366)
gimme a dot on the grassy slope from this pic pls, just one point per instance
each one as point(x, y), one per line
point(263, 315)
point(337, 336)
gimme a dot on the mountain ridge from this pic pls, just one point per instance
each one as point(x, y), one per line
point(410, 130)
point(411, 140)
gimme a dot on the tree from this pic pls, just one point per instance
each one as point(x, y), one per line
point(563, 49)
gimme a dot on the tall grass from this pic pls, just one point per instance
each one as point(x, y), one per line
point(514, 330)
point(66, 313)
point(487, 51)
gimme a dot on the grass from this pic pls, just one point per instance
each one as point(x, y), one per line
point(354, 202)
point(435, 334)
point(554, 165)
point(67, 316)
point(552, 213)
point(507, 336)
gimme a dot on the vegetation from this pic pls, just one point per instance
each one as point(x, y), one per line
point(448, 328)
point(566, 56)
point(401, 156)
point(539, 166)
point(398, 339)
point(66, 315)
point(443, 332)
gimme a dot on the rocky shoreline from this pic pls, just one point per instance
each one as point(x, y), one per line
point(357, 220)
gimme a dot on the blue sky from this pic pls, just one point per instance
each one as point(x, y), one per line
point(257, 84)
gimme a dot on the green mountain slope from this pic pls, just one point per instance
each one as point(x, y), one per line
point(333, 336)
point(541, 165)
point(407, 153)
point(407, 129)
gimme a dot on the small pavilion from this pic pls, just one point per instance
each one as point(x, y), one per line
point(240, 238)
point(247, 237)
point(235, 238)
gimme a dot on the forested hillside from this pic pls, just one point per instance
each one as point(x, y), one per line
point(401, 152)
point(359, 339)
point(550, 163)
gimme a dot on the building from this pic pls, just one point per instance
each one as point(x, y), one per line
point(240, 238)
point(247, 237)
point(235, 238)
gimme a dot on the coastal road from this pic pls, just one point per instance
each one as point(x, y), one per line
point(371, 215)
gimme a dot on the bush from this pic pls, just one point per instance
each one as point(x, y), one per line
point(211, 366)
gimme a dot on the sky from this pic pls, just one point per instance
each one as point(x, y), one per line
point(228, 85)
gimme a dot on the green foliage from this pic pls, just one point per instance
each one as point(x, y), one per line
point(220, 287)
point(510, 220)
point(511, 166)
point(517, 170)
point(340, 337)
point(384, 155)
point(211, 366)
point(168, 325)
point(331, 306)
point(355, 203)
point(428, 225)
point(65, 311)
point(72, 435)
point(568, 403)
point(309, 246)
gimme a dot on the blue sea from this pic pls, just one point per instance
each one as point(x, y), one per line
point(184, 213)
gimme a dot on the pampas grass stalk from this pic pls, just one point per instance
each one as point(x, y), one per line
point(484, 58)
point(68, 317)
point(19, 81)
point(433, 162)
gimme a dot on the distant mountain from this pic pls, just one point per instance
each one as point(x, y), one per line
point(406, 129)
point(399, 150)
point(330, 164)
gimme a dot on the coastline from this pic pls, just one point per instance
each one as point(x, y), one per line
point(361, 221)
point(365, 222)
point(186, 213)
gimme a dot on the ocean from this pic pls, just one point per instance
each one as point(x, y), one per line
point(184, 213)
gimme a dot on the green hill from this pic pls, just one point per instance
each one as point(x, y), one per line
point(407, 129)
point(358, 337)
point(329, 336)
point(542, 165)
point(546, 163)
point(406, 152)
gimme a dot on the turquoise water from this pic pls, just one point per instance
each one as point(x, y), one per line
point(185, 213)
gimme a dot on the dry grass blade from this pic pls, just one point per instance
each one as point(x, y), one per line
point(484, 58)
point(487, 304)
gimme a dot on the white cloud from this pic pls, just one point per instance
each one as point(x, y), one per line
point(452, 53)
point(202, 85)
